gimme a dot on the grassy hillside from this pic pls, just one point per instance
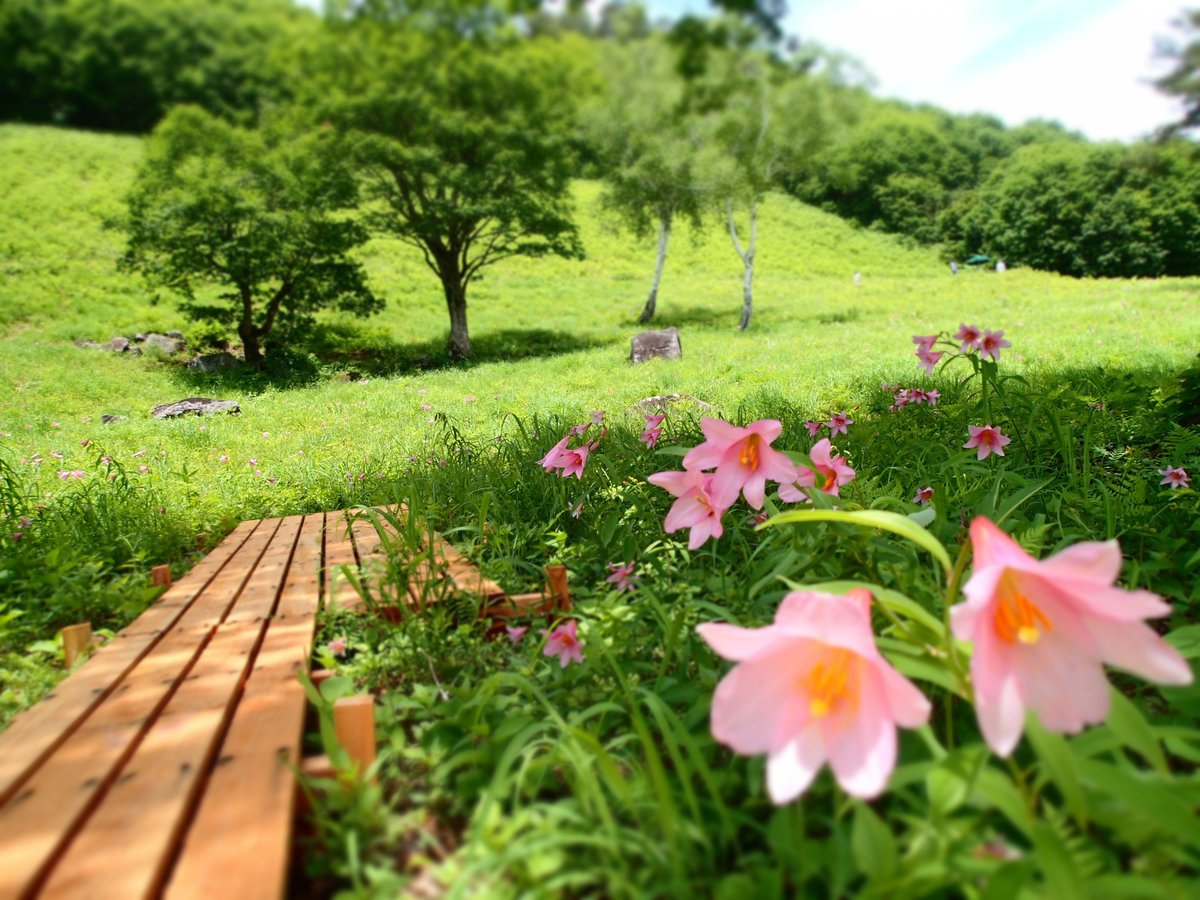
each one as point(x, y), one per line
point(551, 336)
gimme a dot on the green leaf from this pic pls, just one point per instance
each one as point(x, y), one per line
point(1126, 721)
point(1147, 794)
point(997, 789)
point(873, 845)
point(1186, 640)
point(1057, 865)
point(1058, 762)
point(869, 518)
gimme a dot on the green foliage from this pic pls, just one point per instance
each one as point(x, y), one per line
point(1085, 209)
point(121, 64)
point(470, 162)
point(260, 213)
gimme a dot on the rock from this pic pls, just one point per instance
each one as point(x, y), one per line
point(108, 419)
point(655, 345)
point(166, 344)
point(213, 362)
point(658, 402)
point(120, 345)
point(346, 377)
point(198, 406)
point(89, 345)
point(178, 335)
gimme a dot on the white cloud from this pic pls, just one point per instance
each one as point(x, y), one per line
point(1085, 64)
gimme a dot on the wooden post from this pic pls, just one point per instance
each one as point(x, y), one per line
point(320, 675)
point(559, 590)
point(354, 724)
point(77, 639)
point(161, 575)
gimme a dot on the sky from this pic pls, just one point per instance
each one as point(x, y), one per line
point(1084, 63)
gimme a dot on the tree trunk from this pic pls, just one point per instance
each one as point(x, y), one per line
point(664, 235)
point(456, 303)
point(247, 332)
point(747, 257)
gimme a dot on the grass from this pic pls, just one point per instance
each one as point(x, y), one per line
point(505, 775)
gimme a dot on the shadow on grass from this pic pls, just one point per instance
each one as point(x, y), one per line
point(694, 316)
point(346, 353)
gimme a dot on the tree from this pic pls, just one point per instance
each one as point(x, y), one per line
point(465, 146)
point(649, 148)
point(260, 213)
point(120, 64)
point(1183, 81)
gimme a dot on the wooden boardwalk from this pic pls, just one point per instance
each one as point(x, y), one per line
point(165, 764)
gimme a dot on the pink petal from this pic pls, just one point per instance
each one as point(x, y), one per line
point(1136, 648)
point(726, 484)
point(992, 547)
point(792, 768)
point(752, 699)
point(837, 621)
point(906, 705)
point(735, 643)
point(862, 751)
point(1001, 719)
point(1062, 683)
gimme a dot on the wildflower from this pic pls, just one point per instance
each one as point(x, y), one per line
point(621, 575)
point(832, 469)
point(969, 337)
point(743, 459)
point(74, 475)
point(515, 632)
point(837, 424)
point(811, 688)
point(143, 469)
point(137, 453)
point(814, 428)
point(695, 507)
point(266, 434)
point(56, 455)
point(932, 397)
point(992, 343)
point(1175, 476)
point(25, 522)
point(224, 457)
point(652, 432)
point(598, 417)
point(55, 425)
point(987, 439)
point(85, 442)
point(928, 359)
point(252, 461)
point(923, 495)
point(577, 510)
point(106, 460)
point(563, 643)
point(924, 342)
point(578, 430)
point(337, 646)
point(470, 398)
point(1043, 630)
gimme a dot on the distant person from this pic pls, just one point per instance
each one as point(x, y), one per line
point(1000, 266)
point(857, 278)
point(953, 267)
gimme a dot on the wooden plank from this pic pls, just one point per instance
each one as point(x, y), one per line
point(34, 734)
point(238, 844)
point(444, 561)
point(339, 551)
point(38, 820)
point(157, 787)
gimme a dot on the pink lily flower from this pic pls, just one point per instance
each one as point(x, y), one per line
point(932, 397)
point(553, 459)
point(577, 430)
point(621, 575)
point(743, 459)
point(987, 439)
point(136, 454)
point(923, 496)
point(515, 632)
point(812, 687)
point(574, 460)
point(1043, 630)
point(929, 358)
point(1175, 476)
point(337, 646)
point(577, 510)
point(969, 337)
point(924, 341)
point(426, 407)
point(814, 428)
point(598, 417)
point(837, 424)
point(74, 475)
point(992, 343)
point(563, 643)
point(833, 471)
point(652, 433)
point(695, 509)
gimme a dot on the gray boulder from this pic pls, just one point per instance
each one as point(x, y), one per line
point(196, 406)
point(120, 345)
point(655, 345)
point(109, 419)
point(164, 343)
point(209, 363)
